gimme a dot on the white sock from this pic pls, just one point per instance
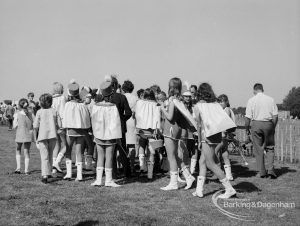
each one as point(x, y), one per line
point(18, 159)
point(26, 165)
point(53, 161)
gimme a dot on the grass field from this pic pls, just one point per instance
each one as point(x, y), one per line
point(24, 200)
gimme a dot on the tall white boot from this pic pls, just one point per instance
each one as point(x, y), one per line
point(150, 169)
point(57, 161)
point(173, 185)
point(69, 170)
point(99, 174)
point(199, 188)
point(188, 177)
point(79, 171)
point(108, 179)
point(229, 190)
point(193, 165)
point(228, 174)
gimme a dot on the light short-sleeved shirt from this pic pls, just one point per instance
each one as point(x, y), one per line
point(261, 108)
point(47, 121)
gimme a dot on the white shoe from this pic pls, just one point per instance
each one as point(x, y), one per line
point(229, 190)
point(198, 194)
point(199, 188)
point(179, 179)
point(188, 178)
point(227, 194)
point(57, 167)
point(97, 183)
point(173, 185)
point(112, 184)
point(170, 187)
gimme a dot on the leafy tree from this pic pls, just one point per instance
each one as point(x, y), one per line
point(292, 101)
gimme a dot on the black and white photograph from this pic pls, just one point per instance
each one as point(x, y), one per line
point(149, 112)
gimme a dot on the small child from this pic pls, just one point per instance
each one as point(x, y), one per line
point(9, 113)
point(46, 124)
point(148, 118)
point(58, 103)
point(76, 119)
point(23, 122)
point(106, 126)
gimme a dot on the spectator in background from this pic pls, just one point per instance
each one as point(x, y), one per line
point(32, 104)
point(125, 113)
point(127, 88)
point(156, 89)
point(9, 113)
point(193, 90)
point(262, 112)
point(140, 93)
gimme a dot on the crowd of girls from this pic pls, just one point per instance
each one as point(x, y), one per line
point(187, 124)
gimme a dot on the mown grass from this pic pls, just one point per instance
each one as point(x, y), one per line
point(24, 200)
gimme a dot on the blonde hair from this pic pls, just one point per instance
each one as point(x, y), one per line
point(57, 88)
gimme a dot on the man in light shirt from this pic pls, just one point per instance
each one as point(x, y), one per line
point(262, 112)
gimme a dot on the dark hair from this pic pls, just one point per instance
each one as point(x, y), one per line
point(205, 92)
point(30, 94)
point(175, 87)
point(94, 93)
point(46, 100)
point(149, 94)
point(98, 98)
point(127, 86)
point(224, 98)
point(114, 82)
point(22, 102)
point(163, 93)
point(258, 86)
point(156, 89)
point(194, 86)
point(140, 92)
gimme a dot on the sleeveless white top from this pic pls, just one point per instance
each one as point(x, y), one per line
point(106, 122)
point(58, 103)
point(147, 114)
point(76, 115)
point(214, 118)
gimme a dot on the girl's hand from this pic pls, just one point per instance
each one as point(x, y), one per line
point(37, 145)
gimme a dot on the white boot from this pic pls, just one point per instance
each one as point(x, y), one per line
point(173, 185)
point(150, 169)
point(228, 174)
point(179, 178)
point(229, 190)
point(188, 177)
point(57, 161)
point(99, 174)
point(193, 165)
point(79, 171)
point(108, 179)
point(199, 189)
point(69, 170)
point(88, 162)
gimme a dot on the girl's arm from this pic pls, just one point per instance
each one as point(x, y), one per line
point(198, 120)
point(36, 125)
point(169, 115)
point(15, 122)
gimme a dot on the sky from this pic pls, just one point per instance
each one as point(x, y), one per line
point(231, 44)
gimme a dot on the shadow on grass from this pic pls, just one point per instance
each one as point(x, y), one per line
point(87, 223)
point(241, 171)
point(284, 170)
point(247, 187)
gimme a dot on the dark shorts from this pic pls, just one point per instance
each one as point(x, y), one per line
point(77, 132)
